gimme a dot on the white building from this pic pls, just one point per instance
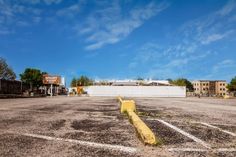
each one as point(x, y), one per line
point(127, 82)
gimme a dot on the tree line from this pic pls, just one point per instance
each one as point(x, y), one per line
point(32, 76)
point(35, 78)
point(81, 81)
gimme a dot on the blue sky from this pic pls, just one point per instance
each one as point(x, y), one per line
point(121, 39)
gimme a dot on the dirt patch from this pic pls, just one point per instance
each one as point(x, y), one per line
point(226, 154)
point(92, 152)
point(116, 114)
point(97, 110)
point(17, 145)
point(163, 112)
point(100, 108)
point(207, 134)
point(106, 137)
point(228, 128)
point(51, 109)
point(56, 125)
point(154, 113)
point(167, 135)
point(191, 154)
point(108, 106)
point(13, 122)
point(91, 125)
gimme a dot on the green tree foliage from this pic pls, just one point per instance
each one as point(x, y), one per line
point(6, 72)
point(169, 80)
point(84, 81)
point(140, 78)
point(81, 81)
point(32, 76)
point(232, 85)
point(73, 82)
point(182, 82)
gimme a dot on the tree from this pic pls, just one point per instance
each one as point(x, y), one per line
point(73, 82)
point(6, 72)
point(232, 85)
point(170, 80)
point(84, 81)
point(140, 78)
point(81, 81)
point(32, 76)
point(183, 82)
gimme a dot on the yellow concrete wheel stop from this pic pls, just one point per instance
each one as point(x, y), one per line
point(144, 132)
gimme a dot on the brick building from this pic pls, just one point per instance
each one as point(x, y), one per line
point(210, 87)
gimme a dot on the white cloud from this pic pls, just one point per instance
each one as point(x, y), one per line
point(211, 27)
point(48, 2)
point(32, 1)
point(224, 69)
point(70, 11)
point(147, 53)
point(109, 26)
point(16, 14)
point(227, 63)
point(176, 67)
point(5, 32)
point(228, 8)
point(215, 37)
point(178, 58)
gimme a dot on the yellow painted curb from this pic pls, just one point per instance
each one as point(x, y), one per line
point(226, 97)
point(145, 133)
point(127, 106)
point(143, 130)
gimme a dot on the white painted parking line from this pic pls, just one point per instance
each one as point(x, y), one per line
point(226, 150)
point(201, 150)
point(86, 143)
point(223, 124)
point(187, 150)
point(206, 145)
point(215, 127)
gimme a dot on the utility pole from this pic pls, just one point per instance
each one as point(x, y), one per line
point(51, 90)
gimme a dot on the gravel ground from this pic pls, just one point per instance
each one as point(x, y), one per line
point(97, 119)
point(186, 113)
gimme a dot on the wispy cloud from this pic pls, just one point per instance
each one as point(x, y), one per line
point(222, 70)
point(110, 25)
point(214, 37)
point(16, 14)
point(5, 32)
point(227, 63)
point(228, 8)
point(189, 47)
point(176, 67)
point(70, 11)
point(48, 2)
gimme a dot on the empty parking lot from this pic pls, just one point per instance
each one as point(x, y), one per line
point(93, 126)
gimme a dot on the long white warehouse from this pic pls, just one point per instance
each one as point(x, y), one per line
point(137, 91)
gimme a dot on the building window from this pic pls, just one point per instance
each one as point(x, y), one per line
point(203, 88)
point(203, 84)
point(220, 88)
point(206, 88)
point(220, 84)
point(223, 88)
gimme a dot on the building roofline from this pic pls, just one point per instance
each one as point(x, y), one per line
point(209, 80)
